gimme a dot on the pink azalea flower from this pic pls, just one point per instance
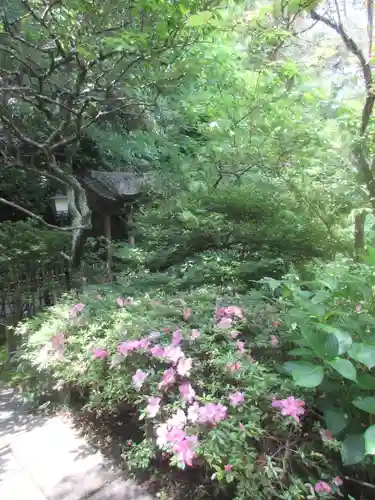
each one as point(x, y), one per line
point(138, 378)
point(173, 354)
point(227, 468)
point(290, 407)
point(193, 412)
point(187, 392)
point(176, 337)
point(212, 412)
point(240, 345)
point(322, 487)
point(325, 435)
point(274, 341)
point(233, 367)
point(234, 335)
point(157, 350)
point(358, 308)
point(77, 309)
point(338, 481)
point(58, 340)
point(225, 323)
point(242, 427)
point(276, 324)
point(153, 407)
point(186, 313)
point(131, 345)
point(185, 451)
point(162, 435)
point(178, 420)
point(184, 367)
point(195, 334)
point(99, 353)
point(236, 398)
point(168, 378)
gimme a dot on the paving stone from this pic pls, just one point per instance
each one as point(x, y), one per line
point(60, 463)
point(20, 487)
point(121, 490)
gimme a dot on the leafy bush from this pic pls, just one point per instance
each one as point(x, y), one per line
point(184, 361)
point(329, 322)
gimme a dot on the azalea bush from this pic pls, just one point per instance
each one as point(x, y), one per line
point(185, 364)
point(328, 338)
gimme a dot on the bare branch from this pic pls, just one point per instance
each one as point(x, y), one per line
point(39, 218)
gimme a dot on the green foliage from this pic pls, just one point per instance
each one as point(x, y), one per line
point(79, 347)
point(329, 321)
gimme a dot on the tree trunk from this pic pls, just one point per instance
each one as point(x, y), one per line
point(359, 234)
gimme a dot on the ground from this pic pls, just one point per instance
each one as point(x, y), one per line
point(43, 458)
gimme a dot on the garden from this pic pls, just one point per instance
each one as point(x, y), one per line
point(227, 350)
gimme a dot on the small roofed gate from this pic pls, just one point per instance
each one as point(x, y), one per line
point(113, 196)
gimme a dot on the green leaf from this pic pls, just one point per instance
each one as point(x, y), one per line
point(370, 440)
point(366, 381)
point(364, 353)
point(289, 366)
point(353, 449)
point(331, 347)
point(345, 368)
point(336, 421)
point(344, 338)
point(307, 374)
point(365, 403)
point(199, 19)
point(301, 351)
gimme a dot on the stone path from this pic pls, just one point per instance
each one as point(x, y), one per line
point(43, 458)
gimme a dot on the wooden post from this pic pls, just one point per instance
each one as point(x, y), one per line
point(108, 237)
point(131, 239)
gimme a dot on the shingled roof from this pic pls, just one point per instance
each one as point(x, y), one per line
point(116, 186)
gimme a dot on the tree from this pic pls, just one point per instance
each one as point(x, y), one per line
point(67, 65)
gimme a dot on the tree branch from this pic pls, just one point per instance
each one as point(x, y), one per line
point(39, 218)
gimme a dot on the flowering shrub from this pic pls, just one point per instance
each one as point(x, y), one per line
point(185, 364)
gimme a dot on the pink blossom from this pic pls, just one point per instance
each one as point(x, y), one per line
point(358, 308)
point(291, 407)
point(77, 309)
point(212, 412)
point(233, 367)
point(58, 340)
point(184, 367)
point(99, 353)
point(187, 392)
point(195, 334)
point(240, 345)
point(176, 337)
point(234, 335)
point(162, 435)
point(274, 341)
point(157, 350)
point(168, 378)
point(225, 323)
point(153, 407)
point(131, 345)
point(186, 313)
point(241, 426)
point(236, 398)
point(322, 487)
point(338, 481)
point(138, 378)
point(325, 435)
point(173, 353)
point(227, 468)
point(178, 420)
point(185, 451)
point(193, 412)
point(276, 324)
